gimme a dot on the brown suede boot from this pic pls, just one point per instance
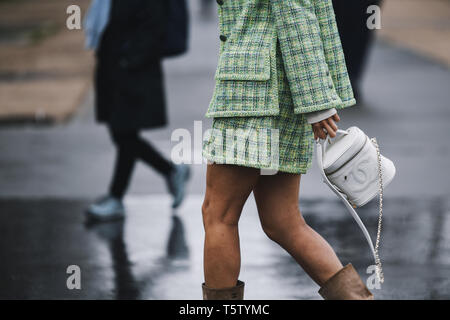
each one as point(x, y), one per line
point(233, 293)
point(345, 285)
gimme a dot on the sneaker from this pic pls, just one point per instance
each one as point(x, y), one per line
point(107, 208)
point(176, 182)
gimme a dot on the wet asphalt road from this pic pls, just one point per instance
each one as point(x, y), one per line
point(157, 253)
point(49, 174)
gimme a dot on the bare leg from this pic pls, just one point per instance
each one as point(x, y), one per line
point(227, 189)
point(277, 200)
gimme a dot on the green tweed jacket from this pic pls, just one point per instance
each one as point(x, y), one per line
point(246, 76)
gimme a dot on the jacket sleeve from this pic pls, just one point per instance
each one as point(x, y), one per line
point(334, 55)
point(317, 116)
point(147, 39)
point(312, 54)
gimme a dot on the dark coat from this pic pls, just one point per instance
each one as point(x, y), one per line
point(356, 38)
point(128, 78)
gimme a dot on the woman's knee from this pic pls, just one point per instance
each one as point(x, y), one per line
point(280, 229)
point(219, 214)
point(273, 232)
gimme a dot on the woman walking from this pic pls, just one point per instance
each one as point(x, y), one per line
point(280, 80)
point(130, 94)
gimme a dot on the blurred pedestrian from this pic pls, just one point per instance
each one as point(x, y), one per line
point(356, 37)
point(280, 78)
point(130, 38)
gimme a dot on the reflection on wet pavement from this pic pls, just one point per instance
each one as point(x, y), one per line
point(126, 285)
point(157, 253)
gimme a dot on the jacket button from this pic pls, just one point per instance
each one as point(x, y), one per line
point(223, 38)
point(219, 2)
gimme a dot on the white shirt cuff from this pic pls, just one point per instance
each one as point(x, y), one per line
point(317, 116)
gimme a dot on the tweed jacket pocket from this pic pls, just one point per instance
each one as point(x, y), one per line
point(245, 66)
point(244, 83)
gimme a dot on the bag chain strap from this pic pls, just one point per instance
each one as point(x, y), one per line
point(379, 269)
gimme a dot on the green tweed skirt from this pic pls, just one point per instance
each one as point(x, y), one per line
point(280, 143)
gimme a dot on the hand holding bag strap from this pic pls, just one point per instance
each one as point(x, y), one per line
point(320, 149)
point(328, 140)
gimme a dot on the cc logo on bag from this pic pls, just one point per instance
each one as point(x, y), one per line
point(361, 176)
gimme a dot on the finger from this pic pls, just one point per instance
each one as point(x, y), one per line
point(315, 132)
point(318, 132)
point(330, 131)
point(332, 124)
point(336, 117)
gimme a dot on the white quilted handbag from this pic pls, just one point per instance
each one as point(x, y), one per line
point(352, 166)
